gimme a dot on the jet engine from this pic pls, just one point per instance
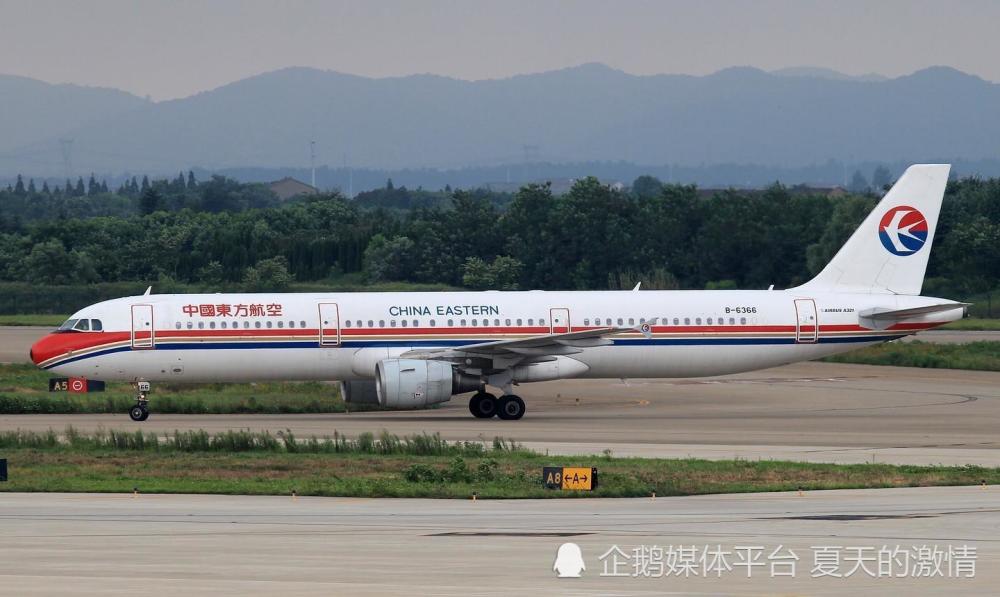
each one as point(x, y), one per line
point(416, 383)
point(359, 392)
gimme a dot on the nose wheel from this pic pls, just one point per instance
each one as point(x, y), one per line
point(140, 412)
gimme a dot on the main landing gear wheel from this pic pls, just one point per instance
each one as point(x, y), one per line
point(511, 408)
point(483, 405)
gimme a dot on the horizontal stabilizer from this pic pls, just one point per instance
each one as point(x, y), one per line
point(881, 318)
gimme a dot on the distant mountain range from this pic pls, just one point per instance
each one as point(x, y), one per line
point(590, 113)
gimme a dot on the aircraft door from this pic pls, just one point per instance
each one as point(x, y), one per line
point(806, 321)
point(559, 321)
point(329, 324)
point(143, 332)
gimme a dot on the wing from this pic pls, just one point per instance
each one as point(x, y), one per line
point(532, 348)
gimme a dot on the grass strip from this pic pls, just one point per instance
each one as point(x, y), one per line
point(973, 324)
point(24, 390)
point(978, 356)
point(383, 465)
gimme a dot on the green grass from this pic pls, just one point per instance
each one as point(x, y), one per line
point(44, 320)
point(973, 324)
point(24, 390)
point(242, 462)
point(979, 356)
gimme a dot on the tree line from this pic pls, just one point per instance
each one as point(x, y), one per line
point(221, 234)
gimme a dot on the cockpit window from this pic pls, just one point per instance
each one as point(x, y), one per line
point(81, 325)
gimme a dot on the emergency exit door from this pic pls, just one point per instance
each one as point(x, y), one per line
point(143, 333)
point(329, 324)
point(806, 322)
point(559, 321)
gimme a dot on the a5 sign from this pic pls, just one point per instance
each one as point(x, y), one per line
point(75, 385)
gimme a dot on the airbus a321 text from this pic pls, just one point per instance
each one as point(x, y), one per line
point(411, 350)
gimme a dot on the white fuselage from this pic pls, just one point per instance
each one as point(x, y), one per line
point(341, 336)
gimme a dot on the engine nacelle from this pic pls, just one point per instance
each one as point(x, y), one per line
point(416, 383)
point(359, 392)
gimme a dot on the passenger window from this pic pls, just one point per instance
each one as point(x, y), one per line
point(281, 324)
point(347, 323)
point(190, 325)
point(201, 325)
point(531, 321)
point(95, 325)
point(177, 325)
point(474, 323)
point(433, 323)
point(621, 321)
point(358, 323)
point(496, 322)
point(416, 323)
point(732, 321)
point(519, 321)
point(402, 322)
point(392, 323)
point(371, 323)
point(291, 324)
point(223, 325)
point(256, 324)
point(211, 324)
point(586, 321)
point(486, 323)
point(269, 324)
point(677, 321)
point(631, 321)
point(743, 320)
point(506, 322)
point(451, 323)
point(246, 325)
point(687, 321)
point(697, 321)
point(462, 323)
point(381, 323)
point(541, 321)
point(709, 321)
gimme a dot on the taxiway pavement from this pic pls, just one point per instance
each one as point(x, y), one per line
point(87, 544)
point(820, 412)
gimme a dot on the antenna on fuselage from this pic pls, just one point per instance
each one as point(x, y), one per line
point(636, 289)
point(149, 290)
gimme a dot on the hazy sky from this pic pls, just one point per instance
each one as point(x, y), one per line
point(169, 49)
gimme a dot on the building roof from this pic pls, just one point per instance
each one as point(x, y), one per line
point(288, 187)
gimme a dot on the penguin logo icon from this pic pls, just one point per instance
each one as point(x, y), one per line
point(569, 561)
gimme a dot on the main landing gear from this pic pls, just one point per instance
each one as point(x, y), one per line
point(140, 412)
point(484, 405)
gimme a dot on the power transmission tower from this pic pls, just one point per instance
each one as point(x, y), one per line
point(66, 149)
point(312, 161)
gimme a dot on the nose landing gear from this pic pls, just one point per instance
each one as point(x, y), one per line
point(140, 412)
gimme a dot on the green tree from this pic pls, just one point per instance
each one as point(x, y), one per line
point(387, 260)
point(150, 201)
point(269, 275)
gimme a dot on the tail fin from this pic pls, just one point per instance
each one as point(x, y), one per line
point(888, 253)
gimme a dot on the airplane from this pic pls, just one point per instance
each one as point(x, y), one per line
point(411, 350)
